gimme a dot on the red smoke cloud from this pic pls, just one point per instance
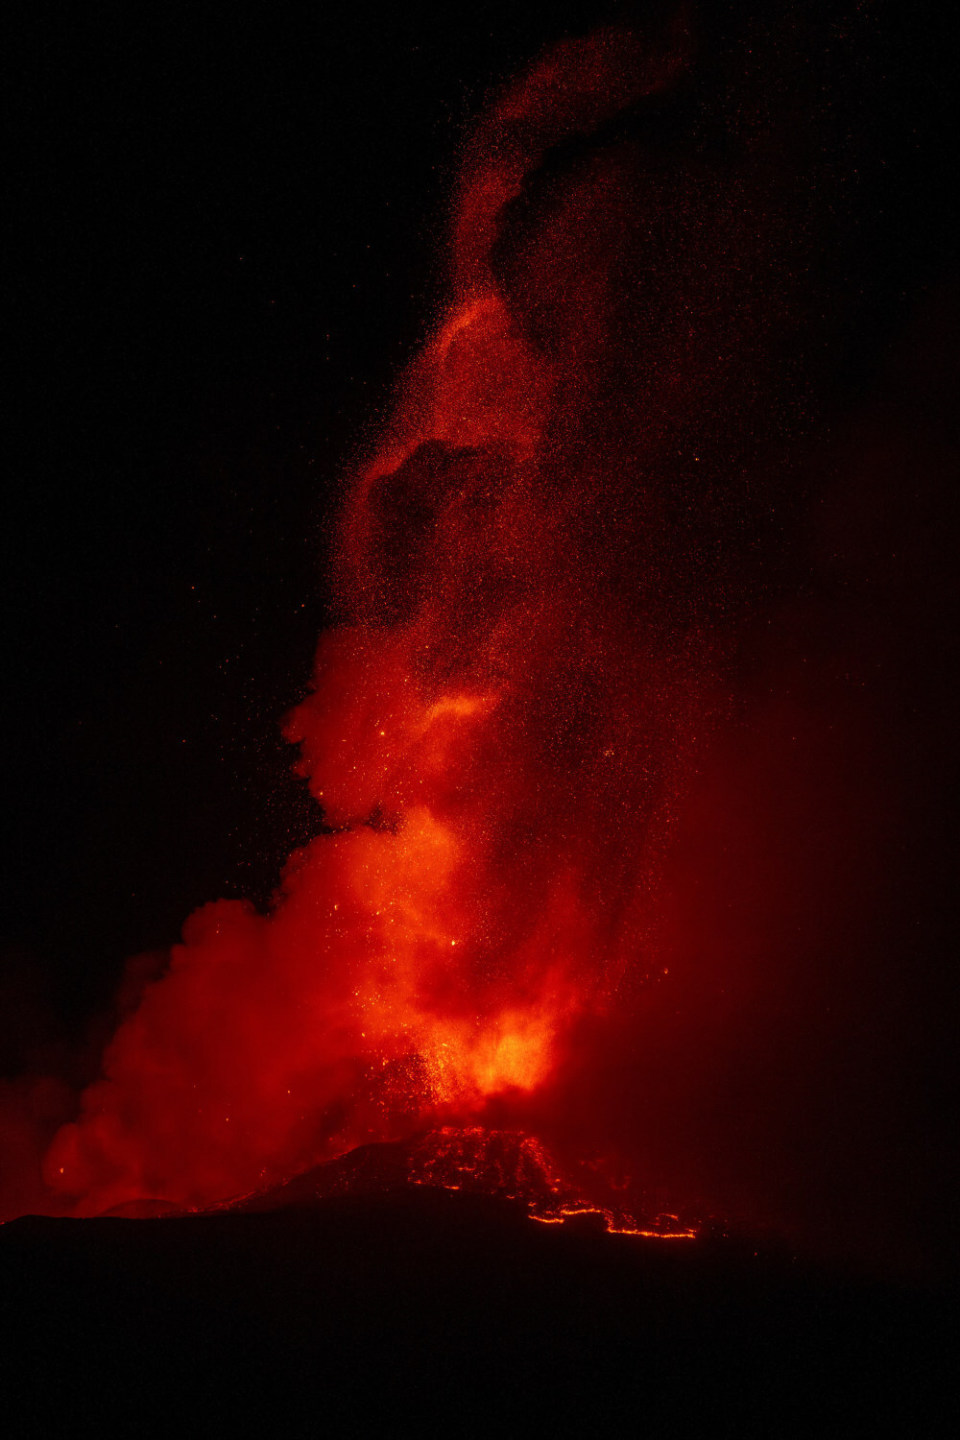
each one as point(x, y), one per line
point(546, 891)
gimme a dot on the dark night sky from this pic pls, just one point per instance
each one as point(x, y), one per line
point(224, 240)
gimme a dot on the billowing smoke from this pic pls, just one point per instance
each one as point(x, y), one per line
point(567, 717)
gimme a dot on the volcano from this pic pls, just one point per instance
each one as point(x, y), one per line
point(505, 1165)
point(407, 1280)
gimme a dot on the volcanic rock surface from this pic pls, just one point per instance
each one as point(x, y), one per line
point(508, 1165)
point(372, 1293)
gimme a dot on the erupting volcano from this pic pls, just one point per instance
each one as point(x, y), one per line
point(613, 807)
point(609, 771)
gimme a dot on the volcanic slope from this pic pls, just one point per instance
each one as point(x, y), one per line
point(369, 1292)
